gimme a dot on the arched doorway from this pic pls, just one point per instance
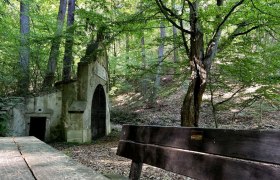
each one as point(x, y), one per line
point(98, 113)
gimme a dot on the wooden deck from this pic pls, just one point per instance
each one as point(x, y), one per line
point(28, 158)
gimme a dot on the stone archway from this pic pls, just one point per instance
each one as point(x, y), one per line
point(98, 113)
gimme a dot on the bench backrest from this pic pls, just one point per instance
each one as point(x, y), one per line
point(204, 153)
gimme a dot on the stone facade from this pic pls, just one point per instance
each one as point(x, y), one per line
point(78, 111)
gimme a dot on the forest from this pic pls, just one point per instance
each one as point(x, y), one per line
point(223, 52)
point(213, 64)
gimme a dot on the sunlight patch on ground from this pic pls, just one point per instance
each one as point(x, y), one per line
point(206, 97)
point(106, 161)
point(125, 98)
point(252, 89)
point(139, 110)
point(227, 95)
point(234, 110)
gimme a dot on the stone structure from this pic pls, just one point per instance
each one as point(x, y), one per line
point(78, 111)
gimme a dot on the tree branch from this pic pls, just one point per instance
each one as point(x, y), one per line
point(185, 40)
point(245, 32)
point(270, 31)
point(183, 8)
point(212, 46)
point(225, 19)
point(237, 32)
point(165, 12)
point(228, 99)
point(261, 11)
point(220, 2)
point(190, 5)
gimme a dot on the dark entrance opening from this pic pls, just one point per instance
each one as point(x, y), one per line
point(38, 127)
point(98, 113)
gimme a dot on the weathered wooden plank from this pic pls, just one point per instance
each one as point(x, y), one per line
point(12, 164)
point(197, 165)
point(246, 144)
point(47, 163)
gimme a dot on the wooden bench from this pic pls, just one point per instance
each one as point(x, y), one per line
point(203, 153)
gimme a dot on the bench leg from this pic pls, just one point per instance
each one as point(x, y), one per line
point(135, 170)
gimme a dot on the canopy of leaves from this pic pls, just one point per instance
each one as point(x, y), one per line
point(248, 54)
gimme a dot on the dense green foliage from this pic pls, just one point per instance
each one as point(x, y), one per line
point(132, 38)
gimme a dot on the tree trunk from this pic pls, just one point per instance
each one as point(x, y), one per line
point(156, 86)
point(54, 53)
point(68, 58)
point(24, 52)
point(144, 82)
point(175, 51)
point(200, 68)
point(113, 73)
point(174, 29)
point(200, 62)
point(127, 47)
point(192, 101)
point(93, 46)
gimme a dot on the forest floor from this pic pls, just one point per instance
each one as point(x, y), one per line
point(100, 155)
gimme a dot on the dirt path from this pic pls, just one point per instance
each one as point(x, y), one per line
point(102, 158)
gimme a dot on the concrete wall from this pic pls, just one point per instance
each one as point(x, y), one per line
point(48, 106)
point(68, 110)
point(90, 75)
point(18, 125)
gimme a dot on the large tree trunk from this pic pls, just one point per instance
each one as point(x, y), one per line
point(192, 101)
point(24, 52)
point(200, 68)
point(68, 58)
point(54, 53)
point(191, 106)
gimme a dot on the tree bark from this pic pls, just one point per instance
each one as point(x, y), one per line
point(192, 101)
point(156, 86)
point(144, 83)
point(200, 68)
point(24, 51)
point(127, 48)
point(54, 53)
point(93, 46)
point(68, 58)
point(174, 29)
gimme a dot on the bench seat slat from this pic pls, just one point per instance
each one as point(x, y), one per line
point(197, 165)
point(255, 145)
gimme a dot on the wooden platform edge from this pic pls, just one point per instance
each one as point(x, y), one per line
point(48, 163)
